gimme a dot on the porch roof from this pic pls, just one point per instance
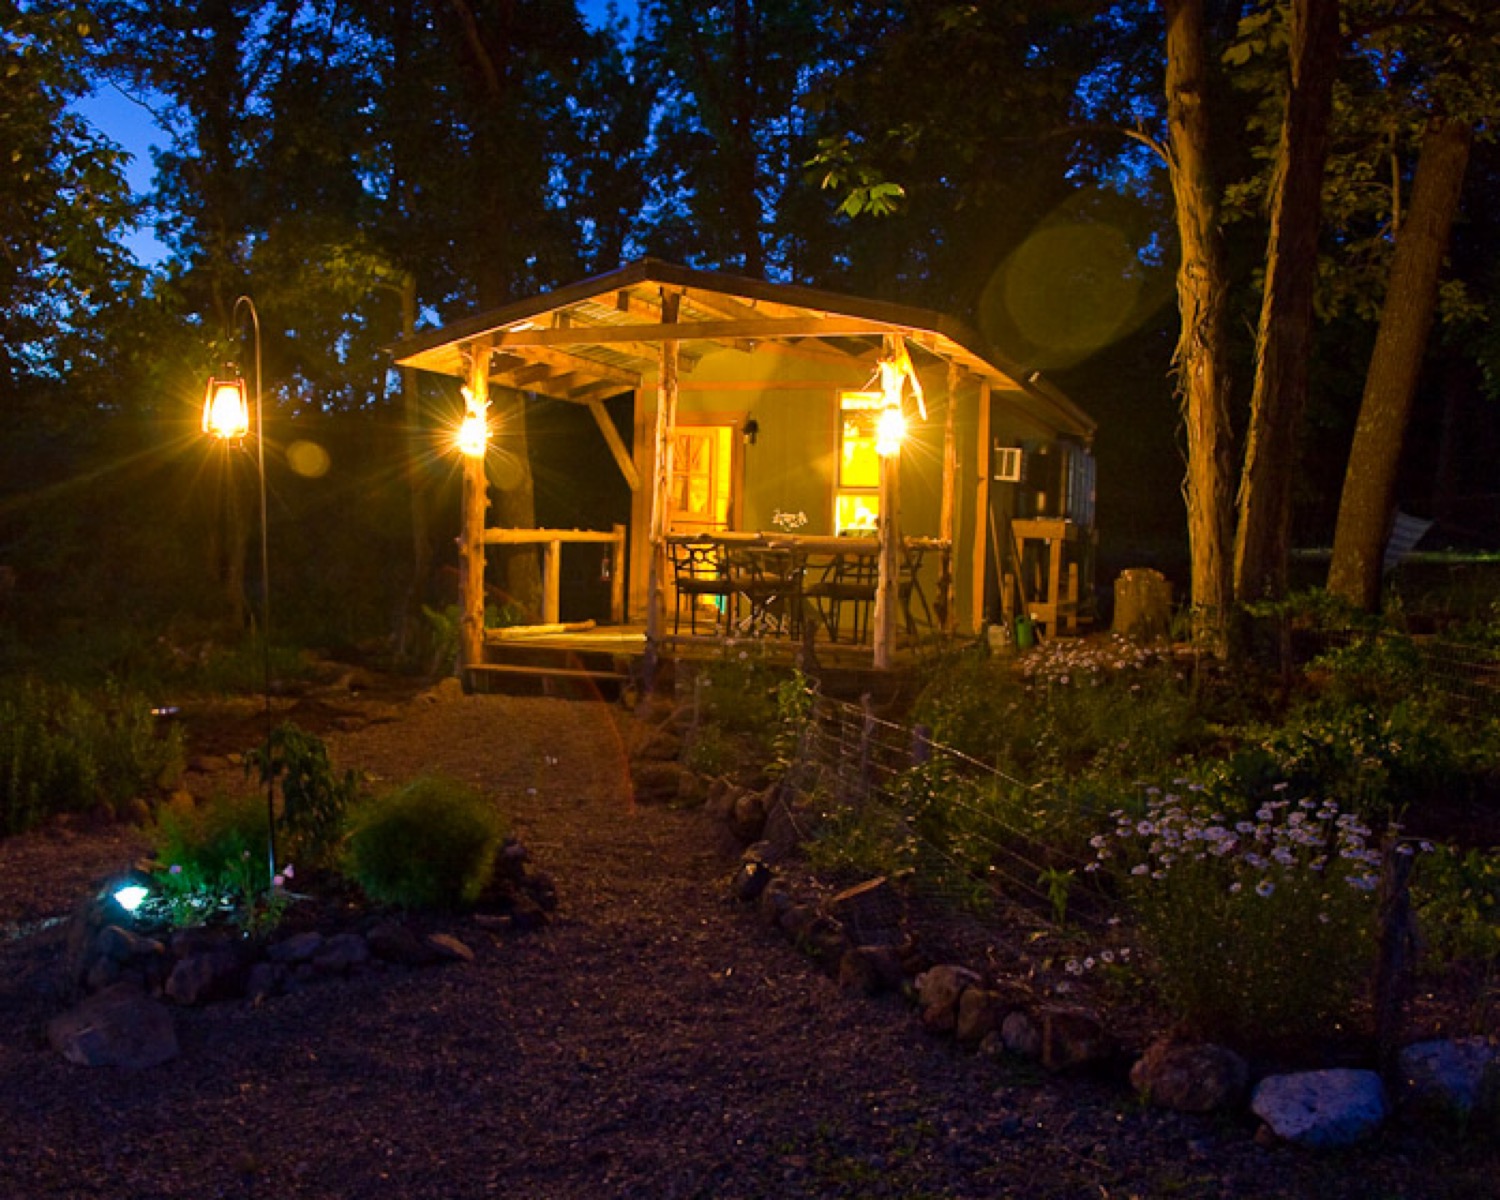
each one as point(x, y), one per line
point(600, 337)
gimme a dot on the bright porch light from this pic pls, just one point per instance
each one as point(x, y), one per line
point(226, 409)
point(890, 432)
point(473, 434)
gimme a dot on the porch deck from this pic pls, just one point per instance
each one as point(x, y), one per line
point(604, 658)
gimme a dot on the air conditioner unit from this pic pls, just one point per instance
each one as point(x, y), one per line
point(1008, 464)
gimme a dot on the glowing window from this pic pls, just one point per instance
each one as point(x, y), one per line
point(857, 497)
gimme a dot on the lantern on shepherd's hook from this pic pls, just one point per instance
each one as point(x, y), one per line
point(226, 407)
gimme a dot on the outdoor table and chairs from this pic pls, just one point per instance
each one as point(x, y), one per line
point(768, 585)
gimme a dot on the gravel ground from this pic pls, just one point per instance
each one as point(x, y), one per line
point(653, 1041)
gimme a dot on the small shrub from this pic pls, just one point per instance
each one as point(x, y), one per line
point(217, 866)
point(1259, 930)
point(430, 844)
point(1457, 899)
point(62, 751)
point(315, 800)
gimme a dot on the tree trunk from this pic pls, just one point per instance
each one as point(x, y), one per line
point(1283, 344)
point(1396, 364)
point(1202, 379)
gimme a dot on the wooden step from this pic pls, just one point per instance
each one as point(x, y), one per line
point(540, 669)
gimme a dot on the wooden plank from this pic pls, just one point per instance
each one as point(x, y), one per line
point(617, 578)
point(616, 444)
point(888, 531)
point(539, 670)
point(540, 537)
point(661, 493)
point(707, 331)
point(979, 560)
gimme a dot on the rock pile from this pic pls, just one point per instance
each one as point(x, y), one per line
point(129, 979)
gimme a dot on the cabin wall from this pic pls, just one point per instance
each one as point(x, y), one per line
point(792, 466)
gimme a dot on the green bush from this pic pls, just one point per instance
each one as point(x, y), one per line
point(1457, 898)
point(61, 751)
point(1260, 932)
point(314, 799)
point(430, 844)
point(216, 860)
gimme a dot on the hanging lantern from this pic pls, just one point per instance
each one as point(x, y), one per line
point(226, 409)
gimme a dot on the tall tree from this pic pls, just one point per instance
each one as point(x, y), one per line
point(1391, 384)
point(1283, 344)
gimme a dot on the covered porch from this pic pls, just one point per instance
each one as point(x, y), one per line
point(803, 468)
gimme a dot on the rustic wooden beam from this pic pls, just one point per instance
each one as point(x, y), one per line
point(707, 331)
point(887, 575)
point(666, 435)
point(475, 501)
point(944, 598)
point(616, 444)
point(986, 534)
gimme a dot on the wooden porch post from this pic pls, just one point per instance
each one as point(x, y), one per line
point(944, 598)
point(475, 501)
point(985, 534)
point(661, 493)
point(888, 571)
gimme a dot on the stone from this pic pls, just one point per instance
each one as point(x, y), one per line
point(199, 939)
point(392, 941)
point(448, 948)
point(118, 1027)
point(1448, 1078)
point(527, 916)
point(1190, 1077)
point(750, 881)
point(825, 942)
point(1321, 1109)
point(122, 945)
point(870, 969)
point(1071, 1038)
point(1021, 1035)
point(264, 980)
point(938, 992)
point(781, 828)
point(979, 1014)
point(692, 789)
point(543, 890)
point(721, 799)
point(656, 745)
point(446, 691)
point(655, 782)
point(797, 920)
point(342, 953)
point(870, 911)
point(775, 899)
point(206, 976)
point(747, 820)
point(299, 948)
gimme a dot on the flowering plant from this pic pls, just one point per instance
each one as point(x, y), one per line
point(1259, 930)
point(788, 520)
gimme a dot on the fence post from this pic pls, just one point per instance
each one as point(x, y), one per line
point(921, 745)
point(1395, 952)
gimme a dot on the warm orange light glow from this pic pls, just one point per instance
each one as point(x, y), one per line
point(890, 432)
point(473, 436)
point(226, 409)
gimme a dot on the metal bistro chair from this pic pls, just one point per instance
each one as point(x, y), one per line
point(700, 574)
point(850, 579)
point(771, 580)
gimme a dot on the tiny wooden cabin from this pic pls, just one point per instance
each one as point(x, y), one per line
point(760, 421)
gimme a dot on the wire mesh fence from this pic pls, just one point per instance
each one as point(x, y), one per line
point(963, 839)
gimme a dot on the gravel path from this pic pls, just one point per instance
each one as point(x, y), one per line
point(653, 1041)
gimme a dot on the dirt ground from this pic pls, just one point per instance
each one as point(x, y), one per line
point(655, 1040)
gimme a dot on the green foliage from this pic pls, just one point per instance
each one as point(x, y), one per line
point(430, 844)
point(1066, 709)
point(62, 751)
point(314, 798)
point(1457, 899)
point(217, 864)
point(739, 690)
point(1259, 931)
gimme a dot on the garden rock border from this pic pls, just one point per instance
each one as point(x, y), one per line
point(129, 980)
point(859, 936)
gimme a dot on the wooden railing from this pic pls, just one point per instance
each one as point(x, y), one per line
point(552, 541)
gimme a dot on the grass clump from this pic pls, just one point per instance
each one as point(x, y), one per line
point(63, 751)
point(217, 866)
point(429, 844)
